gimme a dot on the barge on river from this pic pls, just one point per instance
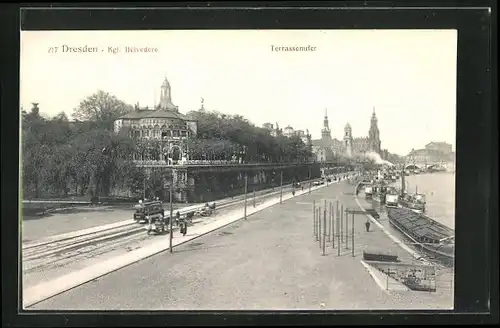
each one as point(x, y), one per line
point(432, 236)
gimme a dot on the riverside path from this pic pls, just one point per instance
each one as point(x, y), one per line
point(271, 261)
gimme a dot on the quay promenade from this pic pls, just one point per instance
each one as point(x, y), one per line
point(269, 261)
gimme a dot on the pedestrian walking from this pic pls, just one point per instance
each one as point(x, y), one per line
point(367, 225)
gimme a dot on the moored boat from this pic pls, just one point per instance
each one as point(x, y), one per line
point(415, 202)
point(425, 232)
point(368, 191)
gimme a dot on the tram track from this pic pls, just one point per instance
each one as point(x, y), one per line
point(58, 253)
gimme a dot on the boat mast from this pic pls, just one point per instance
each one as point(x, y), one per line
point(403, 180)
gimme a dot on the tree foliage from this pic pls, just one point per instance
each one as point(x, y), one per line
point(220, 136)
point(101, 107)
point(86, 157)
point(59, 156)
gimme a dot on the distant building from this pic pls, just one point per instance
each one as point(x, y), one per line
point(433, 153)
point(288, 131)
point(440, 146)
point(163, 123)
point(274, 131)
point(327, 148)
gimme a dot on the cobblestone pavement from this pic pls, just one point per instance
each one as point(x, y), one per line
point(270, 261)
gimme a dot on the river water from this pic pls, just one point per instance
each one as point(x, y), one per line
point(439, 191)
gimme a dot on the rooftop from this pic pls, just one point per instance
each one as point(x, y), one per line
point(160, 113)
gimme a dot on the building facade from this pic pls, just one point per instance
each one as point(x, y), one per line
point(328, 148)
point(443, 147)
point(164, 124)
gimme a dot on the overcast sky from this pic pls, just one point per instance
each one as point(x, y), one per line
point(408, 75)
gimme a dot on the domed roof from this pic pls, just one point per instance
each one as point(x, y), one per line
point(347, 126)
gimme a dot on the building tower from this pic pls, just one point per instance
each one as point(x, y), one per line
point(373, 134)
point(348, 139)
point(325, 132)
point(166, 97)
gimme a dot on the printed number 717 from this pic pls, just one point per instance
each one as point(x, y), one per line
point(53, 50)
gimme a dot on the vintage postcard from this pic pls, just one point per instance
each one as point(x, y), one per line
point(238, 169)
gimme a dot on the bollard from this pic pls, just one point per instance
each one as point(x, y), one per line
point(352, 234)
point(324, 230)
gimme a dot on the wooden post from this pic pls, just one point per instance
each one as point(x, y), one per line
point(310, 180)
point(254, 198)
point(315, 227)
point(246, 186)
point(324, 209)
point(338, 236)
point(314, 217)
point(170, 248)
point(317, 222)
point(332, 225)
point(319, 226)
point(339, 213)
point(324, 231)
point(281, 187)
point(346, 229)
point(352, 233)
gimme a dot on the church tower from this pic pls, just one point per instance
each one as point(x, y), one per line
point(325, 132)
point(166, 97)
point(373, 134)
point(348, 139)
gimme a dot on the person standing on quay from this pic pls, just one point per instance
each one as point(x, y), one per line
point(367, 225)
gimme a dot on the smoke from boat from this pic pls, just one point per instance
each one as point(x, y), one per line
point(377, 159)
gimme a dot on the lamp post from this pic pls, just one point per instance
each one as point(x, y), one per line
point(281, 186)
point(246, 187)
point(171, 218)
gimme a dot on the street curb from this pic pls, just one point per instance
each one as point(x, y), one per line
point(97, 229)
point(70, 281)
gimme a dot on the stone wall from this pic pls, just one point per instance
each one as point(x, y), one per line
point(208, 183)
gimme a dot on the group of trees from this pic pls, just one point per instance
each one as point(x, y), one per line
point(59, 156)
point(85, 156)
point(222, 136)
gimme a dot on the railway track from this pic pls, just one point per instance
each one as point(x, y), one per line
point(53, 254)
